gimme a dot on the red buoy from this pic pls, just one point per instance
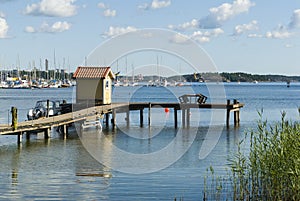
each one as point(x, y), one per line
point(167, 110)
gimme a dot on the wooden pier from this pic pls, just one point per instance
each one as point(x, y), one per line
point(64, 120)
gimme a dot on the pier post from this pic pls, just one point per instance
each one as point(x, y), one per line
point(114, 114)
point(227, 113)
point(128, 118)
point(149, 115)
point(65, 131)
point(48, 108)
point(27, 136)
point(236, 114)
point(107, 119)
point(175, 118)
point(141, 117)
point(183, 117)
point(19, 137)
point(47, 133)
point(14, 114)
point(188, 117)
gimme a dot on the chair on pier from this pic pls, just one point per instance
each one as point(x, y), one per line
point(193, 98)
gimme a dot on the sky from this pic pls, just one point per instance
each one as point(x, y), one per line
point(249, 36)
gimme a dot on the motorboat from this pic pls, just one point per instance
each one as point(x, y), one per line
point(44, 108)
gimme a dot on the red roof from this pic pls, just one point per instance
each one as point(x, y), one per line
point(92, 72)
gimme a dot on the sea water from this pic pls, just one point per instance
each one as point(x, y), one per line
point(58, 169)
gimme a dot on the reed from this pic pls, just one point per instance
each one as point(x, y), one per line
point(270, 170)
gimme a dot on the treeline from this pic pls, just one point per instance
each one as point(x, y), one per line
point(246, 77)
point(239, 77)
point(219, 77)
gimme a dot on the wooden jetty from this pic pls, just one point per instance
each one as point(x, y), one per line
point(64, 120)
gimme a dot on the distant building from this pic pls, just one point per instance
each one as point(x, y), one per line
point(94, 85)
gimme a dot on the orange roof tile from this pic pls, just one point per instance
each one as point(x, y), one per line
point(92, 72)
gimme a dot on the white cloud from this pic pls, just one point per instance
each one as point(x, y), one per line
point(218, 15)
point(56, 27)
point(286, 31)
point(109, 13)
point(240, 29)
point(113, 31)
point(206, 36)
point(279, 34)
point(295, 19)
point(199, 36)
point(3, 28)
point(30, 29)
point(53, 8)
point(187, 25)
point(155, 4)
point(253, 35)
point(216, 32)
point(102, 5)
point(179, 38)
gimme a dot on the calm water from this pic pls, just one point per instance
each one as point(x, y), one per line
point(46, 169)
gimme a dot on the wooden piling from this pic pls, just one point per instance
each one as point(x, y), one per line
point(183, 111)
point(227, 113)
point(114, 121)
point(27, 135)
point(141, 117)
point(48, 105)
point(19, 137)
point(236, 114)
point(175, 118)
point(65, 131)
point(47, 133)
point(128, 118)
point(14, 114)
point(107, 119)
point(188, 117)
point(149, 115)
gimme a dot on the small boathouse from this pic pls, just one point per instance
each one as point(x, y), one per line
point(94, 85)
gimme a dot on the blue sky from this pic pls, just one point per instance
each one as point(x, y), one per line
point(239, 35)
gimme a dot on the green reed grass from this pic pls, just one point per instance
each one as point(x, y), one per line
point(271, 168)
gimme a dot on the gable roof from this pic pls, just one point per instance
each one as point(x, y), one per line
point(93, 72)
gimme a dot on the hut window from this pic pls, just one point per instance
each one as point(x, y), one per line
point(107, 84)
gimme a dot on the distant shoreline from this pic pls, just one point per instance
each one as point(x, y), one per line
point(219, 77)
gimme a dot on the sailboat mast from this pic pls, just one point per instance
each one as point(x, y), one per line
point(126, 69)
point(54, 63)
point(18, 66)
point(132, 73)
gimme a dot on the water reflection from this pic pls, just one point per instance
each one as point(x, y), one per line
point(15, 166)
point(61, 169)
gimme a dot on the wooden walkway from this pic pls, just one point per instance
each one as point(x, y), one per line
point(64, 120)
